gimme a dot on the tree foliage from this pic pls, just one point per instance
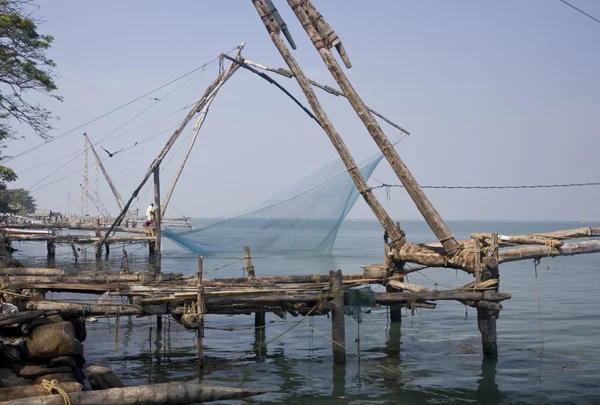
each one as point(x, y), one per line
point(24, 68)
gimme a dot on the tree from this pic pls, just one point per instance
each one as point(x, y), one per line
point(24, 67)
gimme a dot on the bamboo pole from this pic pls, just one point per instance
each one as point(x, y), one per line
point(224, 77)
point(434, 220)
point(165, 150)
point(106, 176)
point(334, 136)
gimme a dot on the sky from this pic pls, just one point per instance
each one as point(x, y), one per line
point(493, 93)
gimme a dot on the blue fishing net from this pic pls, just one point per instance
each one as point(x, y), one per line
point(304, 219)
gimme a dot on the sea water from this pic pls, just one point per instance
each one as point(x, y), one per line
point(548, 333)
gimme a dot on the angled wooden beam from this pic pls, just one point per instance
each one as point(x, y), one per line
point(195, 109)
point(396, 236)
point(225, 76)
point(308, 17)
point(106, 176)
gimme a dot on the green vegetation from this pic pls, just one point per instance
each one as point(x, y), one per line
point(24, 69)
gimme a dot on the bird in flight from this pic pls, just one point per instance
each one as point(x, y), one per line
point(111, 154)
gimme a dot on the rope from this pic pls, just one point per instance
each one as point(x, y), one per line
point(53, 386)
point(345, 348)
point(225, 265)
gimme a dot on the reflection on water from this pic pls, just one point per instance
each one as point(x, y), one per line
point(433, 357)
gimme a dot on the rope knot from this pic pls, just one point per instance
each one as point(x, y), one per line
point(53, 386)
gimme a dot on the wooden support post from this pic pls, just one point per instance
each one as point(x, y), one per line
point(157, 215)
point(107, 248)
point(75, 254)
point(125, 262)
point(200, 312)
point(326, 124)
point(158, 324)
point(486, 318)
point(249, 267)
point(151, 248)
point(51, 248)
point(97, 226)
point(338, 329)
point(434, 220)
point(392, 270)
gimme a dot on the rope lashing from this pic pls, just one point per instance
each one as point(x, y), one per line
point(53, 386)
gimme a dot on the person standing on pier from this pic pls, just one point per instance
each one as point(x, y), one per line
point(150, 212)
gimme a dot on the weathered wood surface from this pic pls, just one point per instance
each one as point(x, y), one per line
point(401, 298)
point(21, 317)
point(555, 237)
point(406, 286)
point(66, 309)
point(156, 394)
point(81, 239)
point(30, 271)
point(327, 125)
point(338, 328)
point(535, 252)
point(27, 391)
point(68, 225)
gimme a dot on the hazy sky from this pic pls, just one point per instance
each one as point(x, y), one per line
point(493, 92)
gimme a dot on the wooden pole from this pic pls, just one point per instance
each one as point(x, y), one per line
point(248, 260)
point(200, 311)
point(392, 270)
point(106, 176)
point(338, 330)
point(157, 216)
point(259, 317)
point(198, 106)
point(334, 136)
point(486, 318)
point(155, 394)
point(434, 220)
point(233, 67)
point(51, 249)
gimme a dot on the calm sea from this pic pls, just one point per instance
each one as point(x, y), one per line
point(548, 333)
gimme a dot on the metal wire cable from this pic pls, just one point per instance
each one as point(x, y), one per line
point(581, 11)
point(494, 187)
point(110, 112)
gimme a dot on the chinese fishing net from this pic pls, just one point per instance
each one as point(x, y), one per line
point(303, 219)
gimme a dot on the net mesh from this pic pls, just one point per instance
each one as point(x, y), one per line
point(357, 298)
point(304, 219)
